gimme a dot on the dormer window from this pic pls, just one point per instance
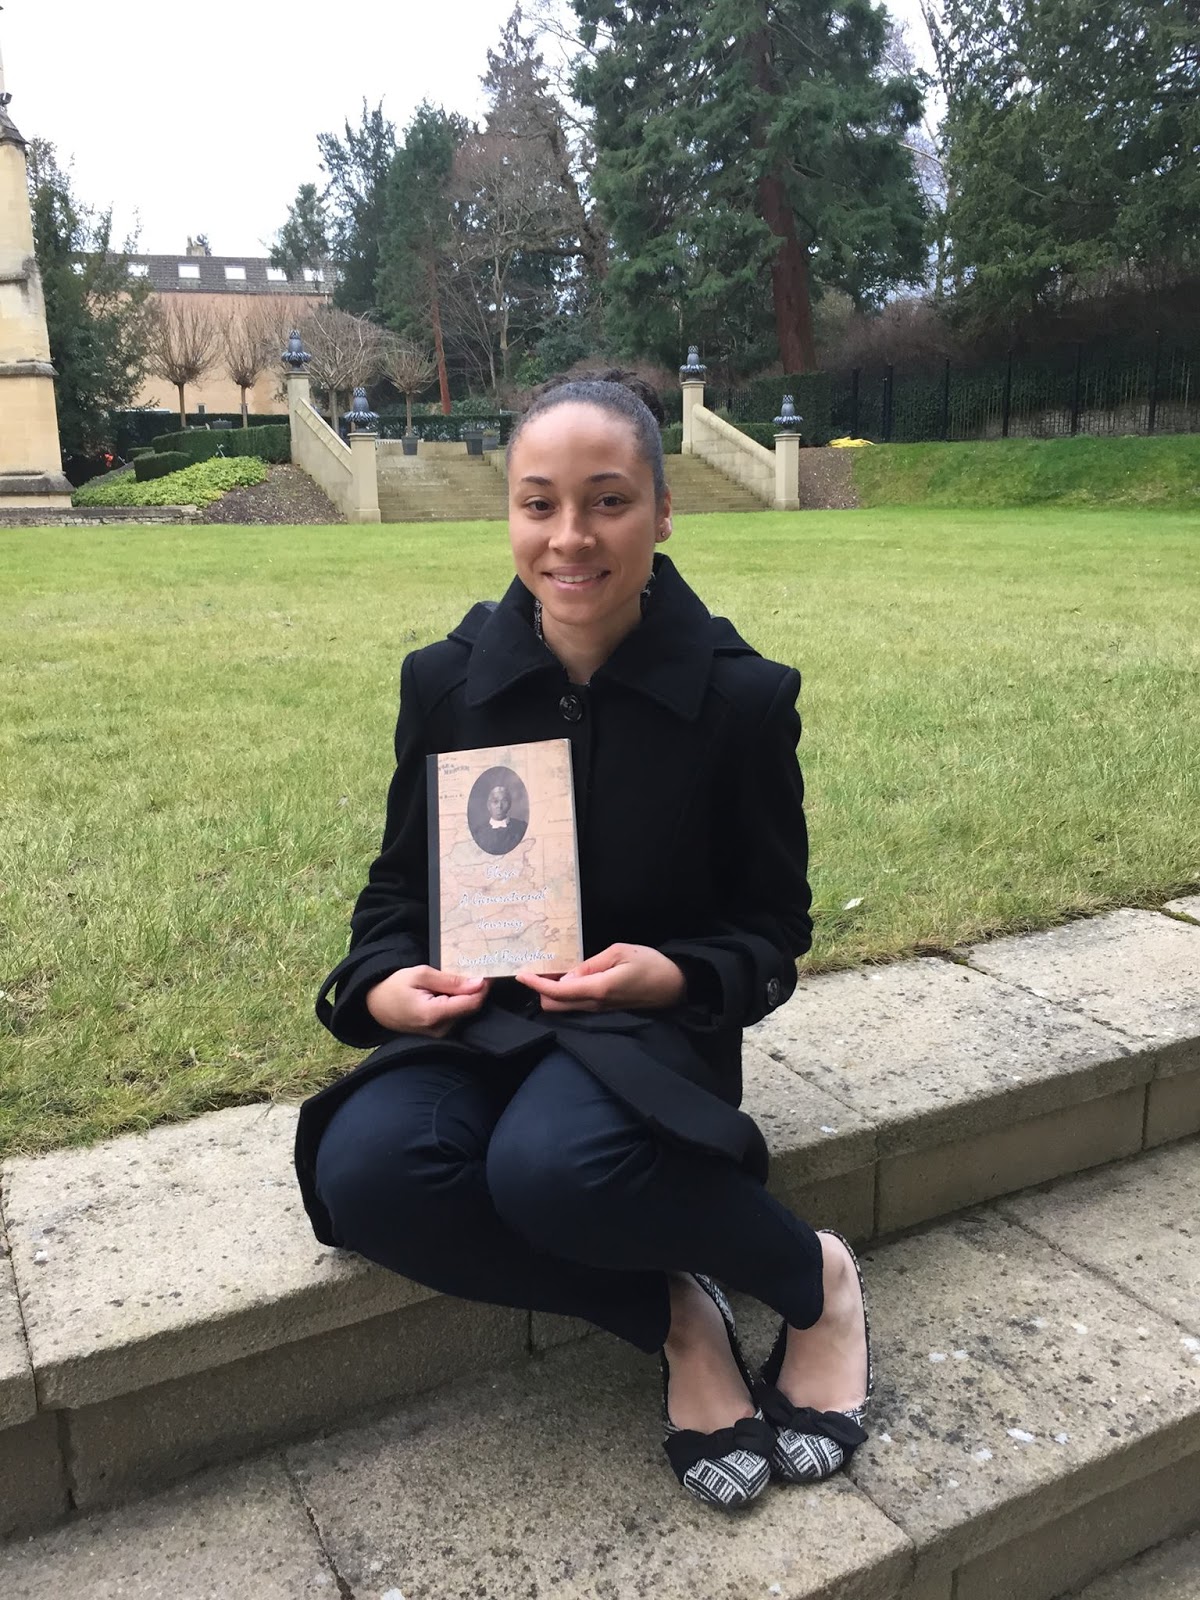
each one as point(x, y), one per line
point(138, 269)
point(276, 275)
point(188, 269)
point(313, 275)
point(235, 274)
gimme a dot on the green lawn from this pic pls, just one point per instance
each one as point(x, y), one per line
point(1002, 727)
point(1162, 472)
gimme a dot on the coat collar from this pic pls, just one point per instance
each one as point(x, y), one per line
point(668, 656)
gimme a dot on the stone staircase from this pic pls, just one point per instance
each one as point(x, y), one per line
point(440, 489)
point(470, 488)
point(1011, 1135)
point(697, 488)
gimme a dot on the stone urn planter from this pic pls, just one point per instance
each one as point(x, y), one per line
point(473, 439)
point(409, 443)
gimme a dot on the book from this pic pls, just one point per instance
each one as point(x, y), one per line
point(503, 860)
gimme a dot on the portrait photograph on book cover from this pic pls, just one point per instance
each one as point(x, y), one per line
point(498, 810)
point(503, 860)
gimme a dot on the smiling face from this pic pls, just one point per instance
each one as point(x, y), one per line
point(583, 520)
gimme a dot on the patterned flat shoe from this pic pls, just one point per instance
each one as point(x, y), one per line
point(730, 1467)
point(810, 1444)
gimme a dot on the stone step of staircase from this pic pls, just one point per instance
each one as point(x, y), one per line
point(163, 1304)
point(1170, 1571)
point(698, 488)
point(1036, 1423)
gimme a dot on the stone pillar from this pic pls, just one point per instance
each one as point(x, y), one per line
point(363, 464)
point(691, 381)
point(787, 457)
point(366, 477)
point(30, 456)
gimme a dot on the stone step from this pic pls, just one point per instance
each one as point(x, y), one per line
point(165, 1306)
point(1170, 1571)
point(1036, 1422)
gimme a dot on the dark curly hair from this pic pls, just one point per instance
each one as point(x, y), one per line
point(624, 394)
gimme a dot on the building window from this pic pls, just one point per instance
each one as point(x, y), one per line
point(313, 275)
point(78, 268)
point(276, 275)
point(188, 269)
point(235, 274)
point(138, 269)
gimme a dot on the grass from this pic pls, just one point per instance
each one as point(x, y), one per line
point(1002, 719)
point(1131, 472)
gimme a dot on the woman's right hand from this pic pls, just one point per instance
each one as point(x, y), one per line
point(424, 1000)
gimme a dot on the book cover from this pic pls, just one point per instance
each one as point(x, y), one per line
point(503, 860)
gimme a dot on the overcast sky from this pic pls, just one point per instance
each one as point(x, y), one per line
point(204, 120)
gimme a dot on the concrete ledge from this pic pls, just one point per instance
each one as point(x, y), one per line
point(169, 1297)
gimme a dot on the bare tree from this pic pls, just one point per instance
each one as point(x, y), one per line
point(182, 344)
point(509, 205)
point(249, 343)
point(347, 351)
point(411, 368)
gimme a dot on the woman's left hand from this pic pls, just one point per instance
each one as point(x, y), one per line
point(625, 977)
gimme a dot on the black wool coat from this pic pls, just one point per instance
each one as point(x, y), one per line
point(692, 838)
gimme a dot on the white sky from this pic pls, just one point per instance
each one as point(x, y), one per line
point(204, 120)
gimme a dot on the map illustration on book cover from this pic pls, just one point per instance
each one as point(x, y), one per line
point(503, 860)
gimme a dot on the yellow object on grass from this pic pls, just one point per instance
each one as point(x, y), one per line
point(847, 443)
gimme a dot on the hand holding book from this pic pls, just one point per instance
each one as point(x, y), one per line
point(625, 977)
point(424, 1000)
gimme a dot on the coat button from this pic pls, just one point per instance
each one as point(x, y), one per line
point(774, 991)
point(571, 707)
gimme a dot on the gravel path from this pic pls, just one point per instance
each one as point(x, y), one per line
point(287, 495)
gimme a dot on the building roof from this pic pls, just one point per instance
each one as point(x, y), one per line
point(219, 275)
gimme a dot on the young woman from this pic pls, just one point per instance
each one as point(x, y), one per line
point(571, 1143)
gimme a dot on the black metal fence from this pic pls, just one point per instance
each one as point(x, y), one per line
point(1078, 390)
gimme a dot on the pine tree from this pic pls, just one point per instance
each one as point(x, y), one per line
point(1073, 128)
point(415, 233)
point(303, 240)
point(357, 166)
point(741, 143)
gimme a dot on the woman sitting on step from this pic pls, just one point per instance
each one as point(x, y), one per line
point(572, 1143)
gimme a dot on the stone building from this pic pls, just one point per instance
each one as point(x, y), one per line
point(231, 287)
point(30, 458)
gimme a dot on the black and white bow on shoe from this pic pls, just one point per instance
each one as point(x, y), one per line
point(732, 1466)
point(811, 1444)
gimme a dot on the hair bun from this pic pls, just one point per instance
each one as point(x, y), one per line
point(645, 392)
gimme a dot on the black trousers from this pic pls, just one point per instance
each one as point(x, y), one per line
point(538, 1189)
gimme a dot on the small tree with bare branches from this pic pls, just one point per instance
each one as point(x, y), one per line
point(182, 344)
point(347, 352)
point(248, 343)
point(411, 368)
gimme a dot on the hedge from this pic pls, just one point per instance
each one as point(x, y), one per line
point(760, 401)
point(158, 464)
point(199, 444)
point(445, 430)
point(672, 437)
point(130, 428)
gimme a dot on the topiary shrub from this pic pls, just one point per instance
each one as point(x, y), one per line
point(158, 465)
point(141, 450)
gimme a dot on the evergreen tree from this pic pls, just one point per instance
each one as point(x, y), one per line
point(416, 231)
point(357, 167)
point(1073, 129)
point(303, 241)
point(95, 312)
point(742, 143)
